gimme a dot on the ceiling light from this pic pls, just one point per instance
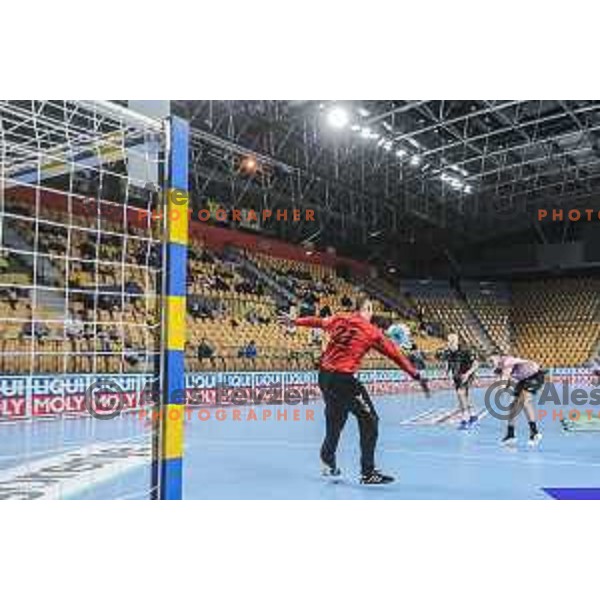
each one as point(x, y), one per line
point(415, 161)
point(338, 117)
point(249, 164)
point(363, 112)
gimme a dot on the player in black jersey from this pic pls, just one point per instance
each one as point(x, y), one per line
point(462, 365)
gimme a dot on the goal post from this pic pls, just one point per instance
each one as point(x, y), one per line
point(167, 465)
point(93, 267)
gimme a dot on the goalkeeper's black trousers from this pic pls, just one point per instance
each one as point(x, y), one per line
point(344, 394)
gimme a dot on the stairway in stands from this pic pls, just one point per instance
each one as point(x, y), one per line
point(277, 290)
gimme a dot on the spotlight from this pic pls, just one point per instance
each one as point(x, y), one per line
point(415, 161)
point(338, 117)
point(400, 153)
point(249, 164)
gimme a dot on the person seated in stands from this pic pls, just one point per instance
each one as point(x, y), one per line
point(27, 330)
point(88, 328)
point(310, 297)
point(11, 296)
point(194, 307)
point(74, 327)
point(252, 317)
point(316, 336)
point(132, 355)
point(290, 328)
point(154, 257)
point(263, 318)
point(417, 357)
point(38, 330)
point(197, 307)
point(103, 336)
point(134, 293)
point(218, 311)
point(113, 334)
point(206, 282)
point(346, 302)
point(234, 323)
point(205, 350)
point(307, 309)
point(88, 250)
point(133, 287)
point(206, 257)
point(248, 351)
point(325, 311)
point(76, 279)
point(251, 350)
point(243, 287)
point(221, 284)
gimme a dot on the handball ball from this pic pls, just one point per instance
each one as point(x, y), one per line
point(400, 335)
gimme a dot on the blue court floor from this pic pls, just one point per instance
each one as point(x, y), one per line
point(278, 459)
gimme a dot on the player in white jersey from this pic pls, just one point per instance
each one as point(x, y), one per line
point(525, 378)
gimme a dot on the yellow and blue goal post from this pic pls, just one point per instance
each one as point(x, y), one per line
point(167, 463)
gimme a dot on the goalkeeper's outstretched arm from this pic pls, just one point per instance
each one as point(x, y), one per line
point(389, 349)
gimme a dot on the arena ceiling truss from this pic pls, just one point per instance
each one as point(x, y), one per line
point(383, 174)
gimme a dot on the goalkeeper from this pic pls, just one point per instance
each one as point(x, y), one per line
point(351, 336)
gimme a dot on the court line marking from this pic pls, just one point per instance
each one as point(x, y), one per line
point(503, 457)
point(71, 472)
point(419, 416)
point(70, 446)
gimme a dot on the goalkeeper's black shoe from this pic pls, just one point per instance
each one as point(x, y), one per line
point(375, 478)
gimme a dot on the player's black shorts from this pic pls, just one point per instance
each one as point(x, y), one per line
point(459, 383)
point(531, 384)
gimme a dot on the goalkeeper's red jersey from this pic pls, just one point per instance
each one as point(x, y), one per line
point(350, 338)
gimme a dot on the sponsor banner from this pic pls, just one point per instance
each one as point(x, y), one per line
point(23, 397)
point(581, 375)
point(47, 396)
